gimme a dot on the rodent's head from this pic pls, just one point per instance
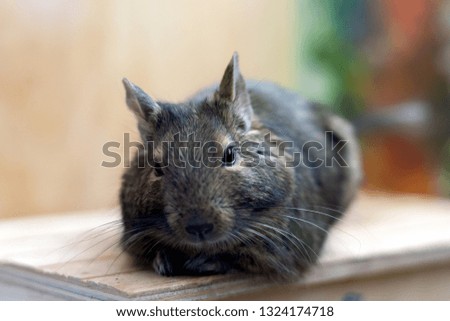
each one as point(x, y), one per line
point(199, 182)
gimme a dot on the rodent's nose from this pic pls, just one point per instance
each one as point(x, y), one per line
point(200, 230)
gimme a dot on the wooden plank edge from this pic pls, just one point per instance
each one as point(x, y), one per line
point(336, 271)
point(66, 288)
point(233, 284)
point(69, 288)
point(363, 267)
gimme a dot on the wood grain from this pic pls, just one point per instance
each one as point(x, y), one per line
point(77, 255)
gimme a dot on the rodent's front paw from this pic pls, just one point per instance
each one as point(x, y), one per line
point(206, 265)
point(170, 263)
point(162, 264)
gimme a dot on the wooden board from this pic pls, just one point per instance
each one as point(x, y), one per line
point(76, 256)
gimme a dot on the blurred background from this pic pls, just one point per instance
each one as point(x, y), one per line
point(383, 64)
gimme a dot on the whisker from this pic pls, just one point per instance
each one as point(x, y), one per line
point(136, 240)
point(78, 254)
point(81, 239)
point(307, 222)
point(289, 237)
point(312, 211)
point(262, 236)
point(319, 213)
point(341, 212)
point(328, 215)
point(294, 209)
point(322, 229)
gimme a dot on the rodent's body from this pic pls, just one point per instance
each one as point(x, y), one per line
point(271, 218)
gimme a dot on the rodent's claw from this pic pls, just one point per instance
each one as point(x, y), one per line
point(162, 264)
point(168, 263)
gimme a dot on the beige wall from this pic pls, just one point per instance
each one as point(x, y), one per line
point(61, 98)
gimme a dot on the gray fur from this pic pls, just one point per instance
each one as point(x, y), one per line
point(264, 219)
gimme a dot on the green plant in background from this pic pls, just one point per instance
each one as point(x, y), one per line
point(330, 70)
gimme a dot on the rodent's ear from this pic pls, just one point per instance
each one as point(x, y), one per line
point(141, 104)
point(232, 84)
point(233, 91)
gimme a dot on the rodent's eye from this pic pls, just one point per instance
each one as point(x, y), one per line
point(158, 170)
point(229, 156)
